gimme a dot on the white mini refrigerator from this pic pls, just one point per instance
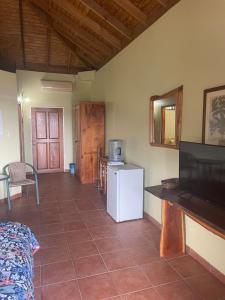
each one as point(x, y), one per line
point(125, 188)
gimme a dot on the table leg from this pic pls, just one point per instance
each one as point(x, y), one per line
point(172, 235)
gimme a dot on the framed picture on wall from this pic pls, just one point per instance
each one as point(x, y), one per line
point(213, 129)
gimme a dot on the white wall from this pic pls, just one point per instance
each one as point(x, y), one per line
point(9, 133)
point(30, 83)
point(184, 47)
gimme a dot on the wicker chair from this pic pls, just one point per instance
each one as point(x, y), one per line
point(17, 177)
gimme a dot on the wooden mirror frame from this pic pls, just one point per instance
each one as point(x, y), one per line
point(178, 95)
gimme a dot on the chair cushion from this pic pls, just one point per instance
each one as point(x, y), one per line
point(17, 172)
point(22, 182)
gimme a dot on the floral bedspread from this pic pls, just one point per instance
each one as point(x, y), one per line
point(17, 246)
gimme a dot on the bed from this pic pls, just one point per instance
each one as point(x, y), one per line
point(17, 247)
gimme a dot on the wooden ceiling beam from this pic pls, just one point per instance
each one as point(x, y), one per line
point(132, 10)
point(77, 31)
point(22, 32)
point(85, 59)
point(64, 31)
point(68, 7)
point(107, 17)
point(155, 14)
point(79, 44)
point(162, 2)
point(88, 60)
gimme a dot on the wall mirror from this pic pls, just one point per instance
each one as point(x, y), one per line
point(165, 119)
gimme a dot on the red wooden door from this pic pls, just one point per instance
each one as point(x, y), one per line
point(47, 139)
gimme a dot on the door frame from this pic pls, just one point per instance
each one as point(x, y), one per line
point(63, 140)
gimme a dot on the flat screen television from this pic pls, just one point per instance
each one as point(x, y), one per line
point(202, 171)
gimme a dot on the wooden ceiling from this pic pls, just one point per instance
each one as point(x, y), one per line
point(69, 36)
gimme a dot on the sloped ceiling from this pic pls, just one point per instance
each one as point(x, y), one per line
point(70, 36)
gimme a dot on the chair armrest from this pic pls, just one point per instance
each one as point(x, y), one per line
point(33, 169)
point(5, 170)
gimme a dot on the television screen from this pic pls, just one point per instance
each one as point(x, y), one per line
point(202, 171)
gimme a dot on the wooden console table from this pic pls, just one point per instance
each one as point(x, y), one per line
point(175, 205)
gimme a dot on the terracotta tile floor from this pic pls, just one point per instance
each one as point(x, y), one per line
point(85, 255)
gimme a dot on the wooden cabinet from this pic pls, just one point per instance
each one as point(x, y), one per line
point(89, 132)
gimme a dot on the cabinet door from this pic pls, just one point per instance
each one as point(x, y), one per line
point(92, 137)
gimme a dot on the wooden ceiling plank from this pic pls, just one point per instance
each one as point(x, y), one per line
point(64, 31)
point(162, 2)
point(88, 22)
point(68, 26)
point(53, 69)
point(22, 32)
point(132, 10)
point(84, 35)
point(69, 60)
point(77, 31)
point(48, 44)
point(86, 61)
point(107, 17)
point(77, 43)
point(89, 63)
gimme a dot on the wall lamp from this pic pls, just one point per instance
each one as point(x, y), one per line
point(22, 99)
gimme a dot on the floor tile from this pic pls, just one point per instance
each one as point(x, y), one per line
point(91, 265)
point(50, 219)
point(97, 287)
point(118, 260)
point(37, 258)
point(149, 294)
point(186, 266)
point(207, 286)
point(95, 221)
point(62, 291)
point(57, 272)
point(54, 254)
point(85, 205)
point(159, 272)
point(37, 294)
point(53, 240)
point(71, 217)
point(177, 291)
point(109, 245)
point(144, 254)
point(67, 207)
point(130, 280)
point(90, 214)
point(75, 225)
point(78, 236)
point(104, 231)
point(132, 240)
point(82, 249)
point(37, 276)
point(53, 228)
point(73, 228)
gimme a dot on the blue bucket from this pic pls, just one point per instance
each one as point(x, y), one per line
point(72, 168)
